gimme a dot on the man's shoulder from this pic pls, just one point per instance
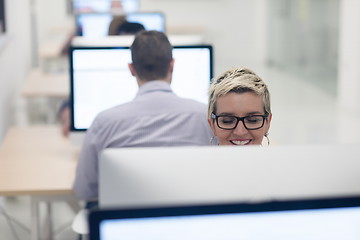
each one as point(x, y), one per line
point(134, 108)
point(105, 117)
point(116, 111)
point(192, 104)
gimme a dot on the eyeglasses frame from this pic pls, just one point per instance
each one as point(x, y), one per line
point(216, 117)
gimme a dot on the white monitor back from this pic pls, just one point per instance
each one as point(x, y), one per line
point(127, 40)
point(142, 177)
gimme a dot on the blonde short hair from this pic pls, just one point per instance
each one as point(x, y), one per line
point(238, 80)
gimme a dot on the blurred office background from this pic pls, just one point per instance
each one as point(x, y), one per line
point(306, 50)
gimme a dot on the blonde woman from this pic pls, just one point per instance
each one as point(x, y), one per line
point(239, 110)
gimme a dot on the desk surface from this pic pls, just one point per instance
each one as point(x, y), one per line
point(37, 161)
point(40, 84)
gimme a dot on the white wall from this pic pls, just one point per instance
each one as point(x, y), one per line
point(349, 56)
point(14, 58)
point(236, 28)
point(52, 19)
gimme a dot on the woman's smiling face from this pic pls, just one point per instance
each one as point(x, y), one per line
point(240, 105)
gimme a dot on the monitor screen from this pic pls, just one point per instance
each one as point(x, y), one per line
point(329, 219)
point(100, 79)
point(96, 25)
point(150, 20)
point(93, 25)
point(126, 6)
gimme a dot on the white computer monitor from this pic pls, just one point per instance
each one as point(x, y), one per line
point(96, 25)
point(327, 218)
point(93, 25)
point(100, 79)
point(143, 177)
point(150, 20)
point(127, 40)
point(126, 6)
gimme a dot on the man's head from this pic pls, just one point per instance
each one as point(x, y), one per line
point(151, 56)
point(130, 28)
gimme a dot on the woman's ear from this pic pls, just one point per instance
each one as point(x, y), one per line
point(268, 121)
point(212, 126)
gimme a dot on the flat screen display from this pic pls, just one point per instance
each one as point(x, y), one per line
point(96, 25)
point(150, 20)
point(126, 6)
point(305, 220)
point(100, 79)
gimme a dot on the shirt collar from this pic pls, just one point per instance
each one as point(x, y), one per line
point(154, 86)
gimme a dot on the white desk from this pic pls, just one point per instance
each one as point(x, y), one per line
point(39, 162)
point(50, 53)
point(41, 84)
point(46, 91)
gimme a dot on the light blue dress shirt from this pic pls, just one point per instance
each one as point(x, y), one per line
point(156, 117)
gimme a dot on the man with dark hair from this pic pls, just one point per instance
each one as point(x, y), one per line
point(156, 117)
point(130, 28)
point(151, 53)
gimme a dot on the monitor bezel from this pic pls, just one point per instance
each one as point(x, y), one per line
point(73, 48)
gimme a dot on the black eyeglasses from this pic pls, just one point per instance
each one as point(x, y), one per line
point(229, 122)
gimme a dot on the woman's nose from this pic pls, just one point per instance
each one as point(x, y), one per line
point(240, 129)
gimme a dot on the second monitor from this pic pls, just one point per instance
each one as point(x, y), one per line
point(96, 25)
point(100, 78)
